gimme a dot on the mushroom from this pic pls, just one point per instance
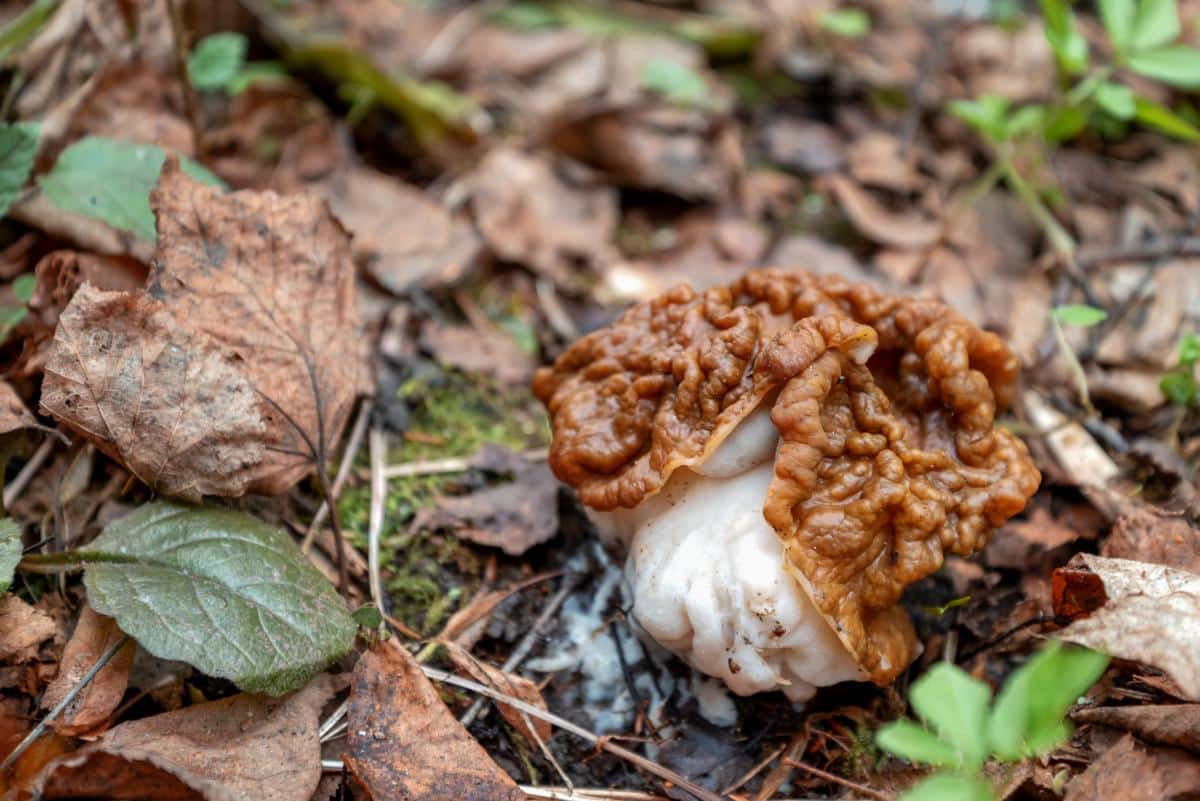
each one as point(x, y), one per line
point(780, 458)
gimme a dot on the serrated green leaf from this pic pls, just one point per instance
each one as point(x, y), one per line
point(1024, 121)
point(1069, 46)
point(10, 551)
point(110, 180)
point(220, 590)
point(1117, 16)
point(1116, 99)
point(955, 706)
point(1161, 118)
point(1179, 387)
point(1189, 349)
point(1177, 66)
point(1063, 123)
point(216, 60)
point(916, 744)
point(18, 147)
point(1156, 24)
point(985, 114)
point(1080, 315)
point(676, 82)
point(950, 787)
point(851, 23)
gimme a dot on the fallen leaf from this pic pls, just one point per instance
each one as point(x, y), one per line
point(241, 747)
point(900, 229)
point(1168, 724)
point(1041, 539)
point(402, 237)
point(60, 273)
point(509, 684)
point(802, 145)
point(514, 516)
point(1131, 772)
point(239, 362)
point(879, 159)
point(14, 414)
point(94, 634)
point(1152, 615)
point(22, 630)
point(404, 742)
point(531, 214)
point(1150, 536)
point(463, 346)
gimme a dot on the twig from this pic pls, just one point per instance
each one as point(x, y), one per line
point(603, 743)
point(454, 464)
point(378, 451)
point(179, 32)
point(28, 471)
point(831, 777)
point(104, 659)
point(348, 456)
point(1153, 251)
point(754, 771)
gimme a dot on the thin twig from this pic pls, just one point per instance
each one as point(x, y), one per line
point(754, 771)
point(603, 743)
point(454, 464)
point(179, 32)
point(104, 659)
point(378, 451)
point(831, 777)
point(28, 471)
point(1153, 251)
point(348, 457)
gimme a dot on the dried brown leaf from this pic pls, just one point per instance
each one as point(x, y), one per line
point(898, 229)
point(94, 634)
point(1168, 724)
point(463, 346)
point(240, 747)
point(14, 414)
point(22, 629)
point(405, 744)
point(1150, 536)
point(237, 365)
point(1131, 772)
point(1152, 615)
point(509, 684)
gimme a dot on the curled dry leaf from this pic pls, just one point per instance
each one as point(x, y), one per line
point(1150, 536)
point(1151, 614)
point(404, 742)
point(1168, 724)
point(14, 414)
point(240, 747)
point(898, 229)
point(532, 729)
point(94, 634)
point(1131, 772)
point(23, 629)
point(237, 366)
point(60, 273)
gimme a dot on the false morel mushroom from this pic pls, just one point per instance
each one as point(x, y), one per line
point(780, 458)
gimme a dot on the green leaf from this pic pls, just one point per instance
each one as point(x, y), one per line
point(1156, 24)
point(216, 60)
point(23, 287)
point(220, 590)
point(1024, 121)
point(955, 705)
point(254, 72)
point(1189, 349)
point(23, 27)
point(110, 180)
point(1080, 315)
point(986, 115)
point(916, 744)
point(1179, 386)
point(1161, 118)
point(1063, 123)
point(1069, 46)
point(18, 146)
point(1117, 16)
point(10, 551)
point(851, 23)
point(1116, 99)
point(676, 82)
point(1028, 716)
point(368, 617)
point(1177, 66)
point(950, 787)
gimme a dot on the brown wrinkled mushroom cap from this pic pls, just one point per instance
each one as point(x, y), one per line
point(885, 405)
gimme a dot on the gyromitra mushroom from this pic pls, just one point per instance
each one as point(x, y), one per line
point(780, 458)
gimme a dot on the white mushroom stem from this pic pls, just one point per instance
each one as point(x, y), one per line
point(709, 580)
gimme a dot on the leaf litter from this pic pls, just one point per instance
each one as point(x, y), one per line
point(501, 178)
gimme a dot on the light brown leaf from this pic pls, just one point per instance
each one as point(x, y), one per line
point(14, 414)
point(1166, 724)
point(1131, 772)
point(1152, 616)
point(241, 747)
point(493, 352)
point(1149, 536)
point(507, 683)
point(899, 229)
point(404, 742)
point(94, 634)
point(239, 361)
point(22, 629)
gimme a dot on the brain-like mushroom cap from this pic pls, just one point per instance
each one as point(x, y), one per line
point(888, 457)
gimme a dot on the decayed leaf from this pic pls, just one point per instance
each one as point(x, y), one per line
point(14, 414)
point(1131, 772)
point(509, 684)
point(220, 590)
point(242, 747)
point(514, 517)
point(492, 352)
point(94, 634)
point(1149, 536)
point(405, 744)
point(237, 363)
point(22, 630)
point(899, 229)
point(1152, 615)
point(10, 551)
point(1170, 724)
